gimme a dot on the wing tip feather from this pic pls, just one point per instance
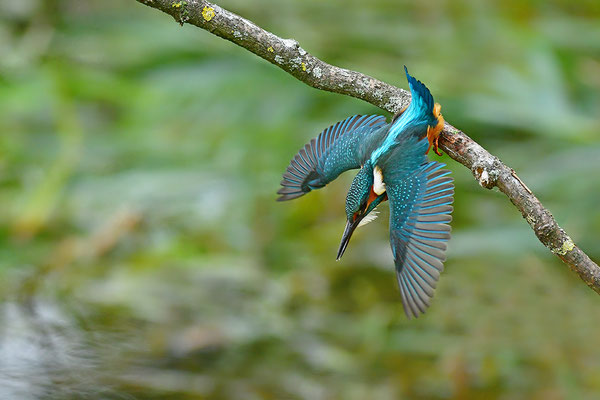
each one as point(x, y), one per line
point(302, 171)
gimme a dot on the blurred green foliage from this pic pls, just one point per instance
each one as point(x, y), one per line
point(142, 254)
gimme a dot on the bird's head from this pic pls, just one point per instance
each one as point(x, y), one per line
point(360, 201)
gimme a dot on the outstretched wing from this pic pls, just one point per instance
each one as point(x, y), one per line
point(420, 208)
point(340, 147)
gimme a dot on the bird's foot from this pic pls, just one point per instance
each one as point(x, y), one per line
point(433, 135)
point(433, 132)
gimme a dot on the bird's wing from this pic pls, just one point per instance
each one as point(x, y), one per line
point(420, 208)
point(340, 147)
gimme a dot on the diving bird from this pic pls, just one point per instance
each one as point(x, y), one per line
point(393, 163)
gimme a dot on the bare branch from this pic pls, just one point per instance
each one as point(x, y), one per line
point(288, 55)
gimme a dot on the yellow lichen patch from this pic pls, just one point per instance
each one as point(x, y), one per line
point(566, 247)
point(176, 4)
point(303, 67)
point(208, 13)
point(270, 48)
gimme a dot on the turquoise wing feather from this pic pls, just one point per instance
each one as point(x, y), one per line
point(343, 146)
point(420, 207)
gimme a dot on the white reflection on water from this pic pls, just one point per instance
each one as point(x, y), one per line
point(44, 355)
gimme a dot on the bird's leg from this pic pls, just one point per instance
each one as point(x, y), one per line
point(433, 132)
point(432, 138)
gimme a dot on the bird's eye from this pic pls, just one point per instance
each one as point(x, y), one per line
point(363, 207)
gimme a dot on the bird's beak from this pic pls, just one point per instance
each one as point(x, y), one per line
point(350, 227)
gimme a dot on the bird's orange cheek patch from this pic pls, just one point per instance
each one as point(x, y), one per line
point(372, 197)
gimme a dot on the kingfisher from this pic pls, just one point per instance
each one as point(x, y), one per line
point(393, 165)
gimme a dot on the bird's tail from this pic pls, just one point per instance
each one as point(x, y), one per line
point(421, 96)
point(422, 104)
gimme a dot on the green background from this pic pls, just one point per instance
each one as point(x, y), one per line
point(142, 254)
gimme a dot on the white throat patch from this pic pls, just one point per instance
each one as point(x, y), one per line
point(369, 218)
point(378, 185)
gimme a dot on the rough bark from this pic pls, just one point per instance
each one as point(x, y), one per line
point(288, 55)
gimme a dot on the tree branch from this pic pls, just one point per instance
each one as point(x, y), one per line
point(289, 56)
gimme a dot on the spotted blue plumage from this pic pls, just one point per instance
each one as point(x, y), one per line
point(421, 195)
